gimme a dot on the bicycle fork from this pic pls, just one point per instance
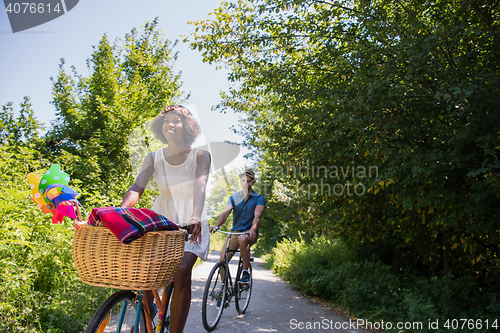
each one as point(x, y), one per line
point(137, 316)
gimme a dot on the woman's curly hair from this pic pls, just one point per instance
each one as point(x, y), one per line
point(190, 128)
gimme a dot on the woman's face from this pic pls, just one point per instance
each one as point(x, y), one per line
point(172, 126)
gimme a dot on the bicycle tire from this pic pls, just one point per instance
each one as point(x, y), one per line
point(214, 297)
point(106, 318)
point(165, 325)
point(243, 292)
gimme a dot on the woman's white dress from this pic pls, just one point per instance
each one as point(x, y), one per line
point(175, 202)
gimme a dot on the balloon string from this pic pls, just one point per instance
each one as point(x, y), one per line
point(79, 204)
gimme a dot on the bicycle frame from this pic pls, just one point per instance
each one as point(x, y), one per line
point(161, 303)
point(143, 302)
point(230, 236)
point(227, 278)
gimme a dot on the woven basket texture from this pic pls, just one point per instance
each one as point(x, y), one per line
point(147, 263)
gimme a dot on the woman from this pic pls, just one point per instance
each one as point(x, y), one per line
point(181, 173)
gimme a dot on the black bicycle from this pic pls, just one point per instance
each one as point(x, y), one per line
point(220, 289)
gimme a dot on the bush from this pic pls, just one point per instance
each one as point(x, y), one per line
point(375, 291)
point(40, 290)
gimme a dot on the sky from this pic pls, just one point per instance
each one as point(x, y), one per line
point(29, 58)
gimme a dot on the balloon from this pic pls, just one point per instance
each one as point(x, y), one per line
point(34, 181)
point(62, 210)
point(43, 207)
point(64, 193)
point(52, 195)
point(53, 176)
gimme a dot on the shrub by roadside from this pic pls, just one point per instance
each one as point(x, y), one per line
point(40, 291)
point(375, 291)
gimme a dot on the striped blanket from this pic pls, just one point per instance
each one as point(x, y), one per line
point(129, 224)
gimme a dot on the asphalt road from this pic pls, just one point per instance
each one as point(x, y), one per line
point(274, 306)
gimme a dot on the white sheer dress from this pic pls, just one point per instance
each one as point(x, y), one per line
point(176, 184)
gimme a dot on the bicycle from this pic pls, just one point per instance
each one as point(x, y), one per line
point(101, 260)
point(128, 311)
point(219, 289)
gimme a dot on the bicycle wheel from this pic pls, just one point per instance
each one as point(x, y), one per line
point(214, 297)
point(165, 328)
point(243, 291)
point(119, 310)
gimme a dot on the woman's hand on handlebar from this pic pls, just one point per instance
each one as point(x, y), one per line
point(195, 231)
point(193, 227)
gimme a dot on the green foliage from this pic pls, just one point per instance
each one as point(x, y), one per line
point(409, 88)
point(24, 128)
point(375, 291)
point(40, 289)
point(223, 184)
point(130, 81)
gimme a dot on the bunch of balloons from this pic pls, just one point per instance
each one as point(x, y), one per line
point(52, 194)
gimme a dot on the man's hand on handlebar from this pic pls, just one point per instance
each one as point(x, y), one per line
point(251, 234)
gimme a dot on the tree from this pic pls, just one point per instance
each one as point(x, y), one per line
point(21, 130)
point(408, 88)
point(223, 184)
point(130, 81)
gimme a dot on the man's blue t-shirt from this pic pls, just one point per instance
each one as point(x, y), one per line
point(243, 212)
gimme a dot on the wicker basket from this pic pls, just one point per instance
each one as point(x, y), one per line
point(147, 263)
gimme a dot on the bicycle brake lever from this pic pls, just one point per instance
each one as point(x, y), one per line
point(185, 226)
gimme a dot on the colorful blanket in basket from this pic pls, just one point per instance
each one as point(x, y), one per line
point(129, 224)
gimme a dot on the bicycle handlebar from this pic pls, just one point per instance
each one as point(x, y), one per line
point(247, 235)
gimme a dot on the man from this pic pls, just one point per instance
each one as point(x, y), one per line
point(248, 208)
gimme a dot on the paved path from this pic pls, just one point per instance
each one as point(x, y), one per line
point(274, 306)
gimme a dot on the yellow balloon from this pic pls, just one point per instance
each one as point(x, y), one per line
point(34, 182)
point(52, 193)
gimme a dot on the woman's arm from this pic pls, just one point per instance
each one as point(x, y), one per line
point(203, 159)
point(132, 196)
point(135, 192)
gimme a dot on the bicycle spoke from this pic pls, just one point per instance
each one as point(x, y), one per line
point(214, 297)
point(243, 292)
point(117, 314)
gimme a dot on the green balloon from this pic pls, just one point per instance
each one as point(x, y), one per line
point(53, 176)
